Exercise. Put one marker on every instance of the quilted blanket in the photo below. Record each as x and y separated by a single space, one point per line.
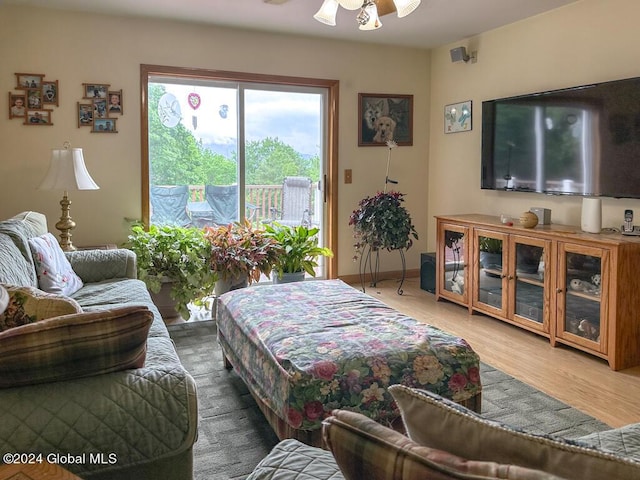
130 417
309 347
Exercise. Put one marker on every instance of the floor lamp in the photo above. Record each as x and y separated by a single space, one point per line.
67 171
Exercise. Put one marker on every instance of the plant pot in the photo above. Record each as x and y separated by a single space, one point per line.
166 305
226 285
288 277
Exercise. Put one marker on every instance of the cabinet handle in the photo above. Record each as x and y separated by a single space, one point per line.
510 277
559 290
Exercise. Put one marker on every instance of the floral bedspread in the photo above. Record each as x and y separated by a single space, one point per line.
309 347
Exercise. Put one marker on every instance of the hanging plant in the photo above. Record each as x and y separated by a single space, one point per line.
382 222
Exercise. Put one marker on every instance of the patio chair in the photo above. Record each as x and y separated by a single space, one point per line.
223 203
169 205
296 202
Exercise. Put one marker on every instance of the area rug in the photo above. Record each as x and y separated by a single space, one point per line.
233 435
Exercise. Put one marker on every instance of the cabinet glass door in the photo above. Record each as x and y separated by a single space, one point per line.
454 260
582 309
490 277
529 287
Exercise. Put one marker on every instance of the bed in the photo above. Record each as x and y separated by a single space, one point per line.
306 348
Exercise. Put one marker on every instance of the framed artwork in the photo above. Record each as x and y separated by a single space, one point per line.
384 117
457 117
95 90
34 98
85 114
28 80
99 108
17 105
38 117
50 92
104 125
115 103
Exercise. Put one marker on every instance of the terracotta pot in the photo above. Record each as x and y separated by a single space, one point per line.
166 305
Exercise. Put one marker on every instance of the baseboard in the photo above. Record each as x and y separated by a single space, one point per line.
392 275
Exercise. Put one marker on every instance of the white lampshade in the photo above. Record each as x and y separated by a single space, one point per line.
374 20
405 7
67 171
327 12
350 4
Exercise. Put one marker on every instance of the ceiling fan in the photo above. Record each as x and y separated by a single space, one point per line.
384 6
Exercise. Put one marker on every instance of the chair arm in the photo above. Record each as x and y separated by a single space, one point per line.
97 265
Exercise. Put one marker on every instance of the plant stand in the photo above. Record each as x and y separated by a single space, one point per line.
373 265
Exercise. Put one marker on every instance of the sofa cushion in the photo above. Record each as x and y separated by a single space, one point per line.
436 422
622 441
55 274
293 460
28 305
76 345
15 269
365 449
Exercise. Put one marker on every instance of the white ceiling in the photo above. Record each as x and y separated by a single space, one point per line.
434 23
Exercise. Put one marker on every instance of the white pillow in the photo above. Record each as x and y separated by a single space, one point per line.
55 274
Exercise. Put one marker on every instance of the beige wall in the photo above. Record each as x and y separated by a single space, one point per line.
77 48
589 41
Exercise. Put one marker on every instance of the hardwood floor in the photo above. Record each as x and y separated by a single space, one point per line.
573 377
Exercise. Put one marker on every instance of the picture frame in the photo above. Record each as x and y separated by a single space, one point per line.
104 125
28 80
457 117
114 103
38 117
95 90
383 117
85 114
50 92
20 110
33 98
99 108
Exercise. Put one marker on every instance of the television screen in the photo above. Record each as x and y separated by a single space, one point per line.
578 141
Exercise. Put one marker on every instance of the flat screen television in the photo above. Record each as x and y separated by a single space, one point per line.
576 141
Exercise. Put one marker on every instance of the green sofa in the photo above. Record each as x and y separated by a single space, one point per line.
129 424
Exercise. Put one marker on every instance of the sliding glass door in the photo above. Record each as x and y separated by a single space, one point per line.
221 150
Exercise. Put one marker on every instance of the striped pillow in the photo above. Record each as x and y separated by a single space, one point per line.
364 449
76 345
28 305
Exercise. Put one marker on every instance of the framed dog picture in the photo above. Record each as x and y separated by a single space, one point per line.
385 117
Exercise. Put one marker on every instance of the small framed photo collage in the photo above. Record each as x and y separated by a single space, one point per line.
34 100
100 108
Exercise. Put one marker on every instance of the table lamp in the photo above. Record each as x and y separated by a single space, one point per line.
67 171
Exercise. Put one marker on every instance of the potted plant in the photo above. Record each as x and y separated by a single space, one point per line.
300 251
173 260
240 253
382 222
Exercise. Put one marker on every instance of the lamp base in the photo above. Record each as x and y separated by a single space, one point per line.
65 225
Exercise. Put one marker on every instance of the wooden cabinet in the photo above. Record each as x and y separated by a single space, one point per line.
577 289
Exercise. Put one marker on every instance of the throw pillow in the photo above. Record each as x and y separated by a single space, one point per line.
55 274
28 305
363 449
72 346
436 422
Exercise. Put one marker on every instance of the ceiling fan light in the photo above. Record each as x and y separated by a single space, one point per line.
327 12
373 22
405 7
350 4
